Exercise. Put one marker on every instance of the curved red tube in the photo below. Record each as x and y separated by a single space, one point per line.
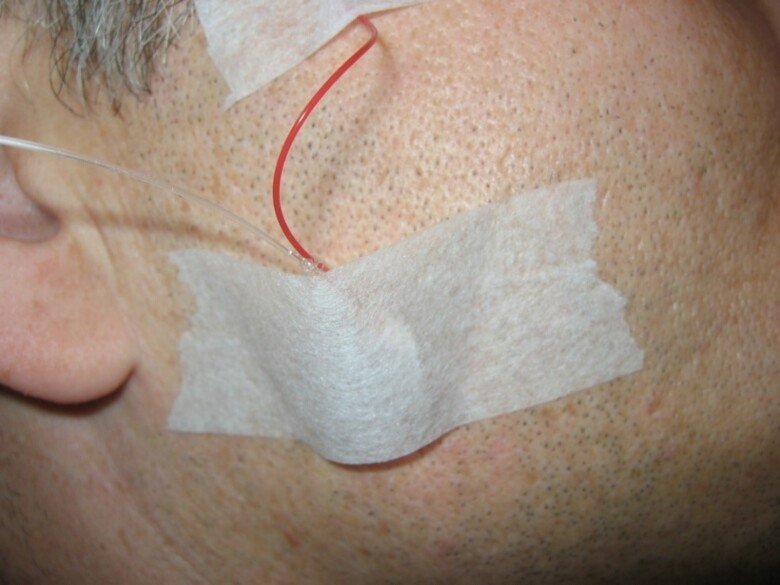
280 162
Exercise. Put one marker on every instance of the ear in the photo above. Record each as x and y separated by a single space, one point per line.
63 335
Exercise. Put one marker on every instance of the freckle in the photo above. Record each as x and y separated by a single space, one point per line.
123 538
292 539
531 477
445 547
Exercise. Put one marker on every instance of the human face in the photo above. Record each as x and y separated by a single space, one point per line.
672 107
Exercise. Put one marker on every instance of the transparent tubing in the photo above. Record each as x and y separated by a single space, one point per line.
185 194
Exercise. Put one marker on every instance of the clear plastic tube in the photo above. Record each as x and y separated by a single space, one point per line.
31 146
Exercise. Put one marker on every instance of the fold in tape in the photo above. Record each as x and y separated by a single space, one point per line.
253 42
494 310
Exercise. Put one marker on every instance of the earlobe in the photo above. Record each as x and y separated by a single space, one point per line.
63 335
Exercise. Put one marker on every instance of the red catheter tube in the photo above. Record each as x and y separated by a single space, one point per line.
288 143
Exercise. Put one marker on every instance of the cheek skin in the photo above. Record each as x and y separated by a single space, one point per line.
504 97
409 139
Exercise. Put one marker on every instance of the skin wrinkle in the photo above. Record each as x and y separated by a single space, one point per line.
663 476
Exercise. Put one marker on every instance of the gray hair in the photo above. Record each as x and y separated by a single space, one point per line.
108 44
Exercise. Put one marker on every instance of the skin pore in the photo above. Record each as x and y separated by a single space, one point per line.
668 474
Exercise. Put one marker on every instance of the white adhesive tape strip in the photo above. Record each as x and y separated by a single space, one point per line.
494 310
253 42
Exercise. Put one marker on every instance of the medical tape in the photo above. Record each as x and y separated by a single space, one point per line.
496 309
252 42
